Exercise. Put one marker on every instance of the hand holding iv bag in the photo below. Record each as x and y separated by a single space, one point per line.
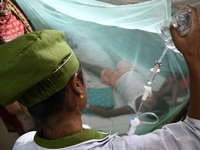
181 21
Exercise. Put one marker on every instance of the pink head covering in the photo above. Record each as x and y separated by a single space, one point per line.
11 24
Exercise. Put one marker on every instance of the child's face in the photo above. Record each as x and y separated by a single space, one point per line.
149 104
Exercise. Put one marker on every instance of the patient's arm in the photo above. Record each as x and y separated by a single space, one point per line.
173 89
174 94
110 112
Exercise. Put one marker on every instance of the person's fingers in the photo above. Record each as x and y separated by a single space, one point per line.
194 17
174 33
193 9
179 6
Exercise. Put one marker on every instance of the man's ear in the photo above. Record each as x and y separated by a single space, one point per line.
76 83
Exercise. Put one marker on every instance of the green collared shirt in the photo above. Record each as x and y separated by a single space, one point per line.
86 136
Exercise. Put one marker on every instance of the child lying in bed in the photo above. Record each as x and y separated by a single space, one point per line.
130 84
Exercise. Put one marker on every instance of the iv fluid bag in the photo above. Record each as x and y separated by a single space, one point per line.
181 21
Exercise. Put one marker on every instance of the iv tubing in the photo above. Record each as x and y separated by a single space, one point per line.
149 113
163 54
155 70
144 97
158 64
139 109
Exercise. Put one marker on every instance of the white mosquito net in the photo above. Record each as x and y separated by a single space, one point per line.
117 45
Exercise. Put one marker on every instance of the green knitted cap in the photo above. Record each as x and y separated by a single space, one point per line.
35 66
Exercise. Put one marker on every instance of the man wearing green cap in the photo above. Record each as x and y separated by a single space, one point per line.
42 72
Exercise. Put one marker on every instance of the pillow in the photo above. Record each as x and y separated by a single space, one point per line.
100 97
